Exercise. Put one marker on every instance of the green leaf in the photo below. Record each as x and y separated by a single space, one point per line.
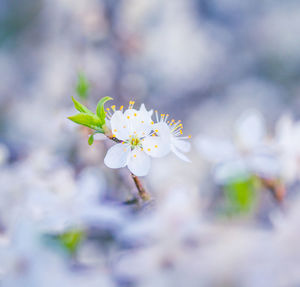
71 239
241 195
83 86
81 108
100 108
91 139
87 120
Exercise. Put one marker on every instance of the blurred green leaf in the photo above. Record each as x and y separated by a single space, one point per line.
91 121
68 241
240 195
80 107
71 239
100 108
83 86
91 139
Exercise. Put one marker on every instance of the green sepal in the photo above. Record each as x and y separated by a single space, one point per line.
88 120
91 139
80 107
100 109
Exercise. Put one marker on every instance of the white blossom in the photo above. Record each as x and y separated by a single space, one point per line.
138 143
248 152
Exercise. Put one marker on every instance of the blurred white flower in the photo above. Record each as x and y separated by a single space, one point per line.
133 129
287 143
247 153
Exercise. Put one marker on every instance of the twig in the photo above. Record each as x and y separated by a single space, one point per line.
142 192
276 187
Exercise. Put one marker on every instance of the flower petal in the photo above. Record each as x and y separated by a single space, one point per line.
143 110
139 163
138 122
250 129
163 130
182 145
156 146
119 126
117 156
180 154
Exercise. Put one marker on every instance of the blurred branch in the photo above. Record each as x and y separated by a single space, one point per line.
142 192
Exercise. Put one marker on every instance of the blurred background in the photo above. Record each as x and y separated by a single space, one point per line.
68 220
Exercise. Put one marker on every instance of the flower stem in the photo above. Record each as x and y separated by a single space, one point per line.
142 191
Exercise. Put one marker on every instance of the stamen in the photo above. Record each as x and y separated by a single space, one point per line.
108 113
131 104
156 115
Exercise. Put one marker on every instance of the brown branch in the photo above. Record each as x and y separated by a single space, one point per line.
276 187
142 192
114 139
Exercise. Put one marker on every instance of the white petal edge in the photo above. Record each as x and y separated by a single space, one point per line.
143 109
119 126
163 130
182 145
117 156
139 163
180 154
156 146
